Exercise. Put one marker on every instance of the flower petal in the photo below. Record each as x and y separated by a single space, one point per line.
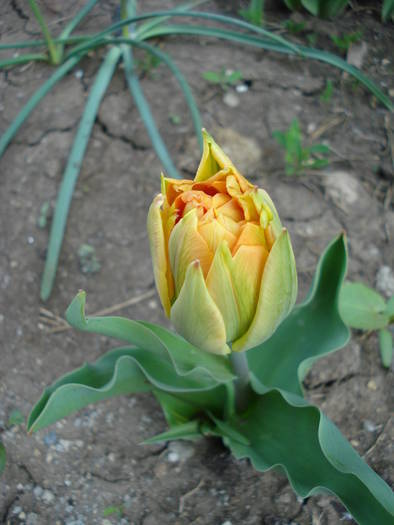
277 296
186 245
220 287
213 159
214 233
196 316
161 270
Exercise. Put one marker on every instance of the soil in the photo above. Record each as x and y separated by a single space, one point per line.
90 468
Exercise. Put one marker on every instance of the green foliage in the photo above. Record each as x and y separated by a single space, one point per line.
298 157
346 40
196 391
294 27
387 10
88 260
322 8
224 78
113 510
44 214
363 308
254 13
327 92
313 329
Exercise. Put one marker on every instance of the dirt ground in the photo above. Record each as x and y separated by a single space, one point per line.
91 469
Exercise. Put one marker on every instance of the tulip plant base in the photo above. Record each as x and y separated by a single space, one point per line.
278 428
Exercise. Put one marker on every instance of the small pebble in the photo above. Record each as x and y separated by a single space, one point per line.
241 88
231 100
30 239
48 496
372 385
370 426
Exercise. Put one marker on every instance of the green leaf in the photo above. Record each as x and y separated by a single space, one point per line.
283 430
389 310
123 371
54 51
146 114
2 458
312 330
387 9
73 168
361 307
189 431
15 418
212 76
185 358
386 347
117 372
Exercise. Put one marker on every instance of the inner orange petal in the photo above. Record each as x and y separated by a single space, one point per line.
231 209
213 233
251 235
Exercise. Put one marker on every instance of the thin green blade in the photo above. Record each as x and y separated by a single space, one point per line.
146 114
73 168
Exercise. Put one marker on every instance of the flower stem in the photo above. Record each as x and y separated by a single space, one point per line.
239 363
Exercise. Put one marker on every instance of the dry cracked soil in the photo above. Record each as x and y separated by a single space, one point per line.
90 468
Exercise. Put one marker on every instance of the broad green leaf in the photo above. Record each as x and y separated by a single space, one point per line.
2 458
284 431
361 307
186 359
190 431
123 371
386 347
389 310
312 330
387 9
212 76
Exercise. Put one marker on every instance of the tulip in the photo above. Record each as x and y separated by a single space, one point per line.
224 267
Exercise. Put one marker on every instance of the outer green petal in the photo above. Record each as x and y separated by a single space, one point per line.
213 159
187 245
278 293
261 200
158 251
220 287
196 316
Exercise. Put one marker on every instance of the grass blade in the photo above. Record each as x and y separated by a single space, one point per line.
146 113
73 168
23 59
8 135
78 19
306 52
39 43
183 84
52 48
148 26
207 16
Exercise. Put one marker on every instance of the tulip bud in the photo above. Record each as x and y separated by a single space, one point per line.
224 266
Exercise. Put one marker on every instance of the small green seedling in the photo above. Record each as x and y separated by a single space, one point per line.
326 94
44 215
254 14
224 78
365 309
113 510
299 158
88 260
346 40
175 119
294 27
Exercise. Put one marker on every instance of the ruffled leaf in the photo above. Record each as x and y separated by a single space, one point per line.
186 358
312 330
283 430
